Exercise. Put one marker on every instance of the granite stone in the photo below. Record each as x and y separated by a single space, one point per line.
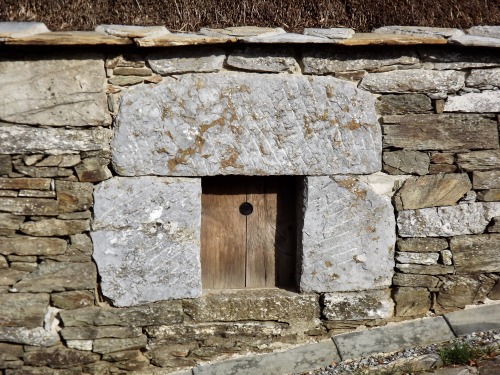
348 236
146 238
250 124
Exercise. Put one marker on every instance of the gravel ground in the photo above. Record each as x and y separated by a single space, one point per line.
411 360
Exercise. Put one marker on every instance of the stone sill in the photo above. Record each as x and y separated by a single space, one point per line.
32 33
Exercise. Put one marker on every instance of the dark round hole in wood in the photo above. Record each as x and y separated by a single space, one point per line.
246 208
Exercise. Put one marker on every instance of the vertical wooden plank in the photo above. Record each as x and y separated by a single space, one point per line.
223 233
286 233
261 230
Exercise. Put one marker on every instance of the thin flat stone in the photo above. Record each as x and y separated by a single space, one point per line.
444 59
156 239
179 126
486 179
242 31
333 33
393 337
21 29
486 101
179 39
25 139
346 249
374 39
471 218
187 61
68 38
29 336
488 31
298 360
476 254
262 60
128 31
429 32
475 41
476 319
288 38
479 160
25 245
417 258
414 80
23 309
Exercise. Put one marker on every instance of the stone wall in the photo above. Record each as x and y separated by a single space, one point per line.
90 139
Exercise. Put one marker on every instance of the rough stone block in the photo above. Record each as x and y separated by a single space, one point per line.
403 104
486 101
91 333
440 132
72 300
54 91
256 304
417 258
59 277
5 164
442 168
29 336
418 81
471 218
364 305
9 277
412 301
262 60
348 236
483 78
486 179
110 345
59 357
431 245
29 206
23 309
476 254
444 59
458 291
432 191
298 360
145 315
393 337
492 195
73 196
9 224
479 160
19 139
187 61
55 227
251 124
323 61
25 183
93 170
148 249
477 319
407 279
404 161
424 269
24 245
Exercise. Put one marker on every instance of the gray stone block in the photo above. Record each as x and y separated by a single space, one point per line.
54 91
250 124
187 60
476 319
26 140
370 304
304 358
489 31
475 41
146 238
486 101
449 221
408 81
483 78
393 337
428 32
348 236
262 60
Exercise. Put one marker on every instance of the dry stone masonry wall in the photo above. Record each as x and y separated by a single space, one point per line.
103 152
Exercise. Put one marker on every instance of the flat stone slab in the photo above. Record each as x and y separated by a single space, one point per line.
486 101
187 60
472 218
298 360
393 337
333 33
242 31
21 29
181 39
475 41
19 139
128 31
475 319
56 92
146 239
251 124
68 38
488 31
348 236
429 32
